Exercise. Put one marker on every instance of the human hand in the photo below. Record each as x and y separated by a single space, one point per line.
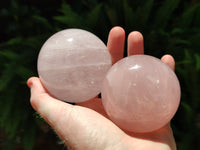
86 126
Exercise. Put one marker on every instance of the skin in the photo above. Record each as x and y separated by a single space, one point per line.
86 125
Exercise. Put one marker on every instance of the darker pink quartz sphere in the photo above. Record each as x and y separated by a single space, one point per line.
140 93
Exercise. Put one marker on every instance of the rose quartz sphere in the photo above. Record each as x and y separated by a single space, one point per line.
72 65
140 93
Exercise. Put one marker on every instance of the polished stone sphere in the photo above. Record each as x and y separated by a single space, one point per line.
72 65
140 93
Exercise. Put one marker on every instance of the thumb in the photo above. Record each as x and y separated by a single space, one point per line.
79 127
52 110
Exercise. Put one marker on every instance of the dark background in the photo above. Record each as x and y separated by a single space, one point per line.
169 27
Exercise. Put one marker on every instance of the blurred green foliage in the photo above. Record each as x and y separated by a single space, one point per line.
168 26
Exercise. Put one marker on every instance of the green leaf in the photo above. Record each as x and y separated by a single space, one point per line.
14 41
188 16
42 21
9 54
9 144
29 138
181 41
177 31
112 15
188 110
164 13
13 122
197 18
7 101
143 12
187 55
147 9
23 72
94 16
7 75
129 16
197 59
69 17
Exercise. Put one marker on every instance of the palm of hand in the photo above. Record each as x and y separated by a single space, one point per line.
86 125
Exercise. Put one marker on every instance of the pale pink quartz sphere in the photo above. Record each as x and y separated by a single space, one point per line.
140 93
72 65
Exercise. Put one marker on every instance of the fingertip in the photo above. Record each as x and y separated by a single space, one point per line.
115 43
116 36
31 80
37 91
117 32
135 36
169 60
135 43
